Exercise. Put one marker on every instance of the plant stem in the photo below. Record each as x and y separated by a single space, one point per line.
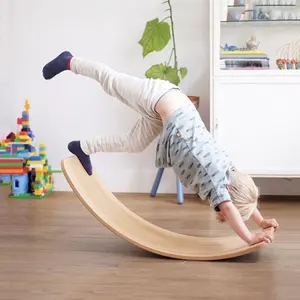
166 18
173 35
170 56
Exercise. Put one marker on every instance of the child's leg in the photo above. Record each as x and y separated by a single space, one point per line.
141 94
136 140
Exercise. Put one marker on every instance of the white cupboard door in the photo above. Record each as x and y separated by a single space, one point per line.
258 124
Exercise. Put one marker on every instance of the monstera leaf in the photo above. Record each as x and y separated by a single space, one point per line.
156 36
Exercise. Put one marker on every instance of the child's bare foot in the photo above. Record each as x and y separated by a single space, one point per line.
57 65
85 160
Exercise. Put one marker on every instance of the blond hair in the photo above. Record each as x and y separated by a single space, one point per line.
244 193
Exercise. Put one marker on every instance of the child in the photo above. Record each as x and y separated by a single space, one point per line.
184 143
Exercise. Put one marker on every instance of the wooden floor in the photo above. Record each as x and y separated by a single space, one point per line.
54 249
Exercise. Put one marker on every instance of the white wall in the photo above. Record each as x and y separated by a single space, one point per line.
5 76
107 31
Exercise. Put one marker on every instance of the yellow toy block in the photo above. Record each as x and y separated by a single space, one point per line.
24 138
27 105
34 162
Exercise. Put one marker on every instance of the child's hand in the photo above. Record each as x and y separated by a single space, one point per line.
220 217
266 223
265 236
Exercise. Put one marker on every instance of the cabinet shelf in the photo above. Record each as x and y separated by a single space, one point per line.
263 5
259 73
282 21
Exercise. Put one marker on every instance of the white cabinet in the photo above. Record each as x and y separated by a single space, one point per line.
255 114
258 124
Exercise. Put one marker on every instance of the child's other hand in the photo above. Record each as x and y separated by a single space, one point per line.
265 236
220 217
266 223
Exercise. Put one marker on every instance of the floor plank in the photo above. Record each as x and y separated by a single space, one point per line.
54 249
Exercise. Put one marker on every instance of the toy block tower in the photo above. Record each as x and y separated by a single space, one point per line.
41 179
27 172
25 134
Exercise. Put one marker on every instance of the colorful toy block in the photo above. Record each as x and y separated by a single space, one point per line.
5 179
21 166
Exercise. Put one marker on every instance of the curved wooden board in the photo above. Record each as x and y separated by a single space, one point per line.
115 216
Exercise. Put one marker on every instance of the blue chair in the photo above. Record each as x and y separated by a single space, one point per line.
179 187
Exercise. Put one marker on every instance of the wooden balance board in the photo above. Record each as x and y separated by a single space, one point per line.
115 216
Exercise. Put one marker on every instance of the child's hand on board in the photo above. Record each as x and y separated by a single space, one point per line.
266 223
220 217
266 236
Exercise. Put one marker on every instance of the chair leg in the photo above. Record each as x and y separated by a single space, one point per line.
180 197
157 182
179 187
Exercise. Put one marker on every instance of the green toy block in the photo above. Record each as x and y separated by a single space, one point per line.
12 164
55 171
37 185
30 196
8 155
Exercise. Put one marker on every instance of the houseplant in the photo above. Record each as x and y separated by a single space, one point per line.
156 37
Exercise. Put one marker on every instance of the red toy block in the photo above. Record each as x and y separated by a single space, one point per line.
6 160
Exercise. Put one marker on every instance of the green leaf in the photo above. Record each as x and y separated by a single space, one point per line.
156 72
183 72
156 36
171 74
160 71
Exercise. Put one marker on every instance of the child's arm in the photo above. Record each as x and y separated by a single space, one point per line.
236 222
264 223
257 217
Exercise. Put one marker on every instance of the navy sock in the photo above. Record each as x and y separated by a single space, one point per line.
75 148
57 65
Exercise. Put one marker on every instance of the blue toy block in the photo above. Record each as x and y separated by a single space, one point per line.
4 178
20 184
35 158
23 154
179 187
